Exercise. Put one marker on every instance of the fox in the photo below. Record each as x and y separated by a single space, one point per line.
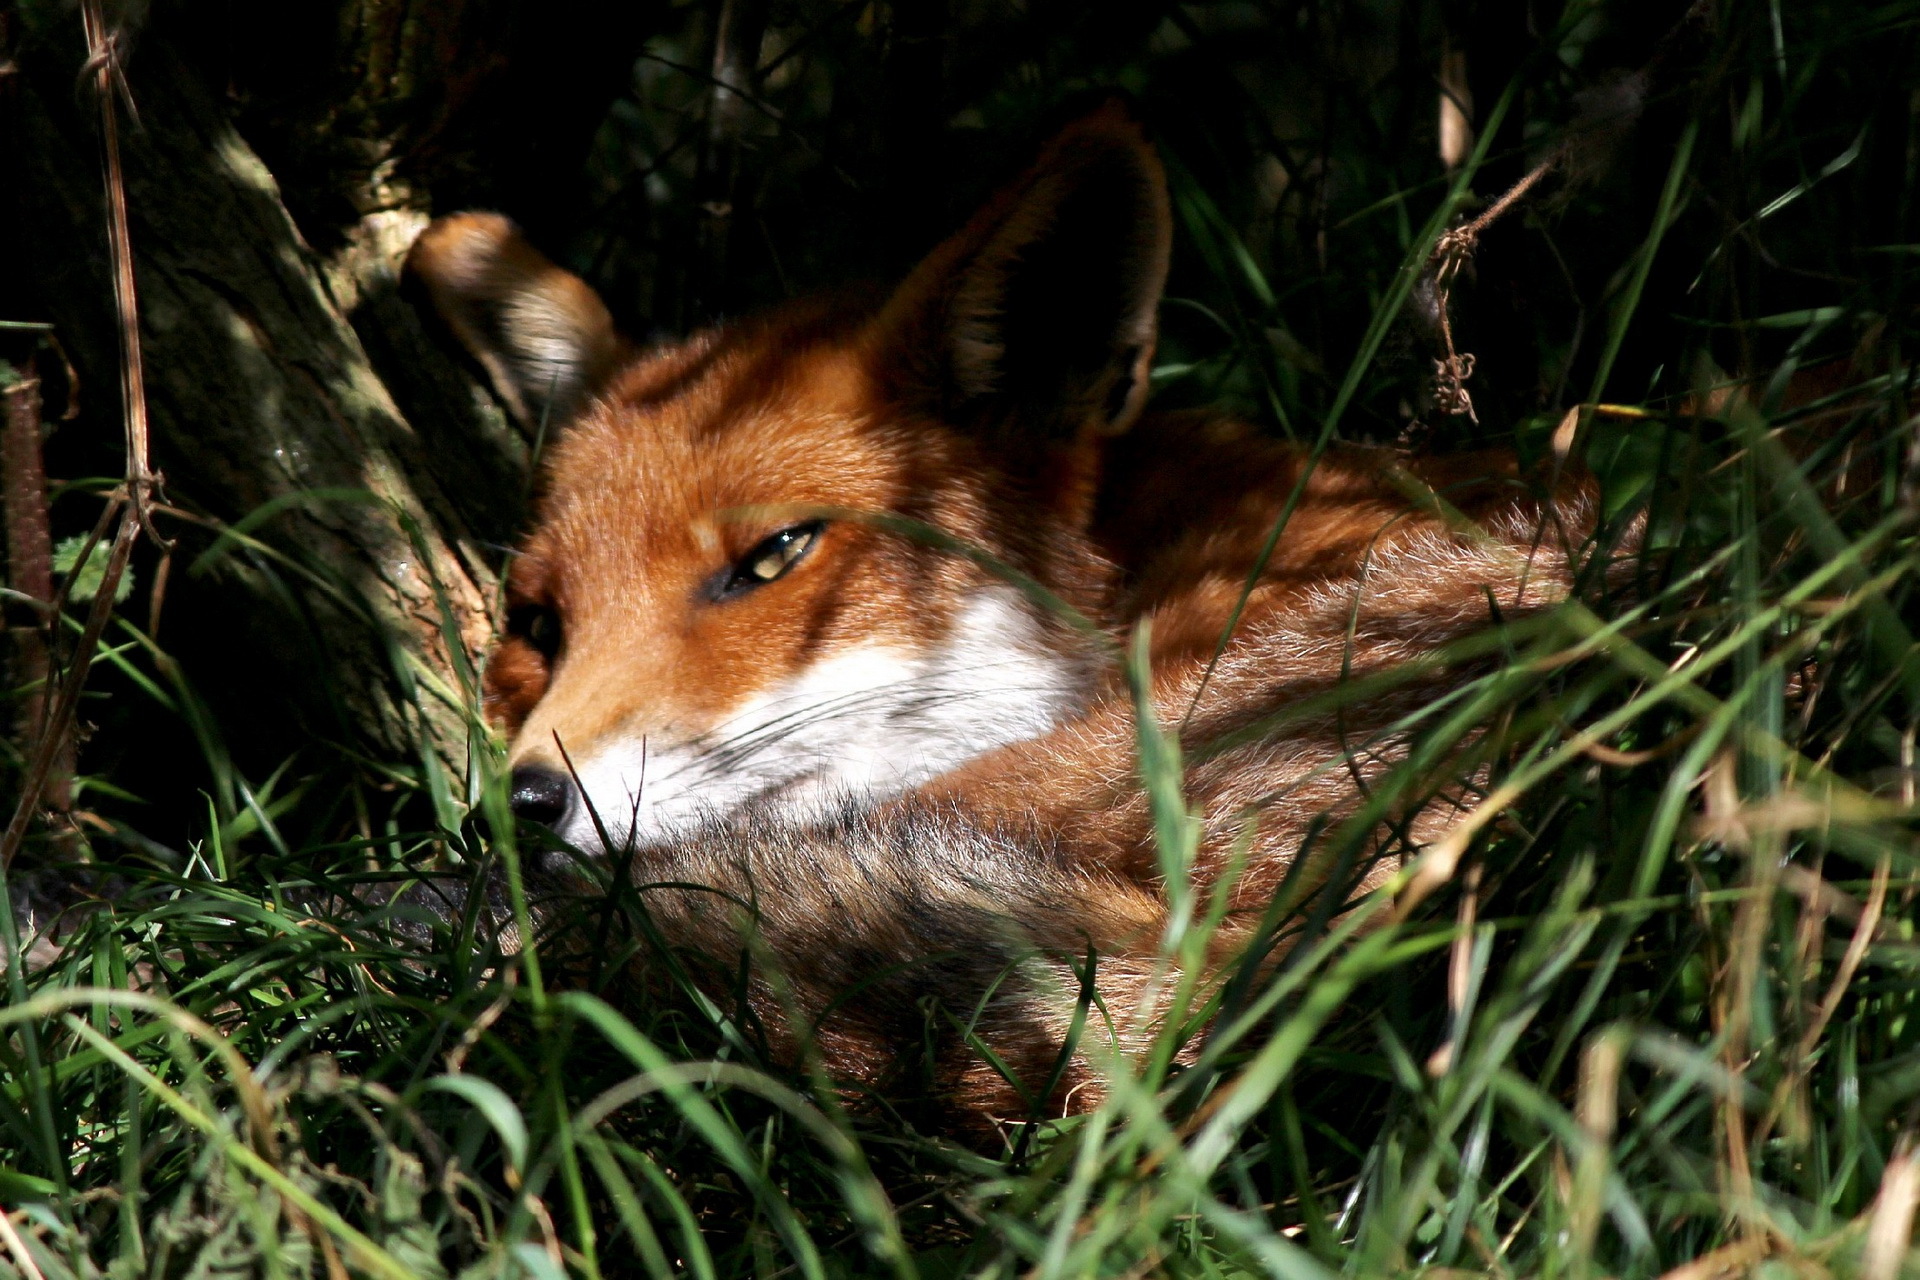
849 612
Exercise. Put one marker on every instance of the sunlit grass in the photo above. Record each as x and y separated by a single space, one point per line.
1651 1009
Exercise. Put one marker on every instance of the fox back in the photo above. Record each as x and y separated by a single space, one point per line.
877 555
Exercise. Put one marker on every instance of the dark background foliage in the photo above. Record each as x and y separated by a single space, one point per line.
1301 138
1732 196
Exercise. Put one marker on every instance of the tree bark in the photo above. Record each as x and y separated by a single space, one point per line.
291 386
29 550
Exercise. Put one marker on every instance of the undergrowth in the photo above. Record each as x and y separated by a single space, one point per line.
1649 1006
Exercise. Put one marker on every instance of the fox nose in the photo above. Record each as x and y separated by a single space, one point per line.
539 795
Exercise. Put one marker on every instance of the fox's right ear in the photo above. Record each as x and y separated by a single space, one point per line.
541 333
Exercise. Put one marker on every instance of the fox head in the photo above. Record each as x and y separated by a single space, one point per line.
741 589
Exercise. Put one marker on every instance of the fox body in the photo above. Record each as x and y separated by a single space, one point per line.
823 608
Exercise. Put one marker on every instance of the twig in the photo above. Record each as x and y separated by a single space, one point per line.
18 1248
131 504
103 61
1451 253
1465 237
66 700
1864 932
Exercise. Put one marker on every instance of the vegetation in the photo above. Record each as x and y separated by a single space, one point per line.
1650 1007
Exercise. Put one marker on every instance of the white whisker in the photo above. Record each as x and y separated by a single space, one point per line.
874 720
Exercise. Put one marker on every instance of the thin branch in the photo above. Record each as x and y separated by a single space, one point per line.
103 61
131 504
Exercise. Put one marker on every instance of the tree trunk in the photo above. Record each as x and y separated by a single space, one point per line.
291 387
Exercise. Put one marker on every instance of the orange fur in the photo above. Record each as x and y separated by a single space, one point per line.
915 789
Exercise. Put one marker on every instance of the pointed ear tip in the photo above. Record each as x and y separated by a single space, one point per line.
1115 122
1110 139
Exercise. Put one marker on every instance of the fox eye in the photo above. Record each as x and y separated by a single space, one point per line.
770 558
538 625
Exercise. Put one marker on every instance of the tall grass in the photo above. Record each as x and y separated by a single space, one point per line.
1648 1009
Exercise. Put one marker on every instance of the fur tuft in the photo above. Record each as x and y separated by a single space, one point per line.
543 336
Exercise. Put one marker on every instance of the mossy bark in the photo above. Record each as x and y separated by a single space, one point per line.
294 393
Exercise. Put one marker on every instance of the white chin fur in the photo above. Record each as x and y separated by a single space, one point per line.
869 721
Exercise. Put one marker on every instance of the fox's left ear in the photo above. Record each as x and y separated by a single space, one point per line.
541 333
1040 314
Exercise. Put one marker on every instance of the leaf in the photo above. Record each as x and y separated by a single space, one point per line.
491 1102
83 580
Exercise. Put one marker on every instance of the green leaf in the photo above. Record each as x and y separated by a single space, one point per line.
83 579
492 1102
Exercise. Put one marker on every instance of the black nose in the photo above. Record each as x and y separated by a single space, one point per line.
539 795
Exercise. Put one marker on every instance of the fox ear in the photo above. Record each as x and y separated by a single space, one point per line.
1041 311
541 333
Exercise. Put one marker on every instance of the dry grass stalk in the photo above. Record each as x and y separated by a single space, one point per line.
17 1249
103 63
1890 1221
1597 1111
131 505
1864 931
1736 1259
1459 970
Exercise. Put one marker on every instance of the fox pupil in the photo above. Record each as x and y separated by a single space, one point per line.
769 559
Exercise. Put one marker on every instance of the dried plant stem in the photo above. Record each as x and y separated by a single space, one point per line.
29 547
1733 1014
131 504
103 63
1890 1220
66 698
1452 370
1864 932
1459 972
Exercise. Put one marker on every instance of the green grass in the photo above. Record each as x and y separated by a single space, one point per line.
1661 1005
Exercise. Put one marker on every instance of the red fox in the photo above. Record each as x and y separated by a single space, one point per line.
821 608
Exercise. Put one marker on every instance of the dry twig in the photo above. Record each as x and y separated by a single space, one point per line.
1451 253
132 503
